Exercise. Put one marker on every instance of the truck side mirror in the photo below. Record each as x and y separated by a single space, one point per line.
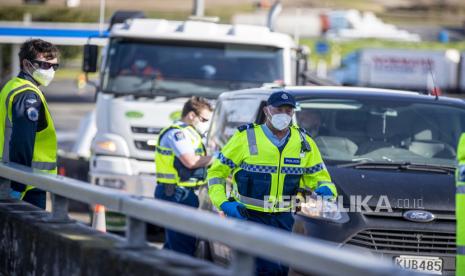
89 62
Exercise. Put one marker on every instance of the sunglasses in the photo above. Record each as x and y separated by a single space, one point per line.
46 65
202 119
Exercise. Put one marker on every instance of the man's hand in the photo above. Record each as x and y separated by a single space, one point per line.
234 209
324 191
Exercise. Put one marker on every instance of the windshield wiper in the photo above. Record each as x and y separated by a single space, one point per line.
367 164
155 92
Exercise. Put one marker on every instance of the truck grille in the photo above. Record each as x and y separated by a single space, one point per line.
392 241
146 130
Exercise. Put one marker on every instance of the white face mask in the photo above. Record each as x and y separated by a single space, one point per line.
42 76
202 127
280 121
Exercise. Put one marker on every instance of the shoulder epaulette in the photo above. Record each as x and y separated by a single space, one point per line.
303 133
244 127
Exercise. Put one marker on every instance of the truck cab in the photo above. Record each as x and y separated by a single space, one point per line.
150 67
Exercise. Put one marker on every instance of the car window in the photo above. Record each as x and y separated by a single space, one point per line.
384 131
229 115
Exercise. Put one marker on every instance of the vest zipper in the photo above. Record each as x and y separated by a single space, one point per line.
277 186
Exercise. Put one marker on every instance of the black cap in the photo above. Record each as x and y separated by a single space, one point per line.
281 98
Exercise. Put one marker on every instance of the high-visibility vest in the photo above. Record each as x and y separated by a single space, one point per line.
45 145
265 177
460 208
169 169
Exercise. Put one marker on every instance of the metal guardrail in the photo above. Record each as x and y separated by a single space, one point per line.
245 239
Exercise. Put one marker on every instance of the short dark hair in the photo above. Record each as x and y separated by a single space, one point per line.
32 48
195 104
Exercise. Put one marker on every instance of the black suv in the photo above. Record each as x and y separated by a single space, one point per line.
392 156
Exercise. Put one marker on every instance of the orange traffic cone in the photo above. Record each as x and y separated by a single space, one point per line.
99 221
81 82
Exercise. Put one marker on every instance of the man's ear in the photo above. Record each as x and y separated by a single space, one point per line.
266 111
191 115
26 65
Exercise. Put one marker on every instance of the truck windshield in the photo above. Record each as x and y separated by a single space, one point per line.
185 69
383 131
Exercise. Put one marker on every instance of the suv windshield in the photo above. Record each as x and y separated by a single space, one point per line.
229 115
177 70
383 131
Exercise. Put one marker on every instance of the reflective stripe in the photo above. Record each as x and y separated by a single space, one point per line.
315 169
460 189
166 175
226 161
261 203
44 165
321 183
461 173
191 183
8 124
6 143
292 170
215 181
259 168
461 250
251 201
164 151
252 141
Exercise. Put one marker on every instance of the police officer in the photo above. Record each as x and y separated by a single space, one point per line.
460 208
269 163
27 132
180 160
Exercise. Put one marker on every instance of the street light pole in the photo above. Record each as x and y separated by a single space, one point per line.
199 8
102 16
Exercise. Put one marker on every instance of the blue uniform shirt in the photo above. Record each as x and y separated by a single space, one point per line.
177 140
273 138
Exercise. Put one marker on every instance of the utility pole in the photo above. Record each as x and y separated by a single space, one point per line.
102 17
199 8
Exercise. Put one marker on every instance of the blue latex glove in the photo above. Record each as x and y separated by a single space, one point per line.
324 191
233 209
14 194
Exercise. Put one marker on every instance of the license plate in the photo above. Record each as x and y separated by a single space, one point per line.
431 265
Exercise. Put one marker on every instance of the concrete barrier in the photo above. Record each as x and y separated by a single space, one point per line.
32 244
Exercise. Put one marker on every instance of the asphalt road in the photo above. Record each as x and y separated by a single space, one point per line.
68 106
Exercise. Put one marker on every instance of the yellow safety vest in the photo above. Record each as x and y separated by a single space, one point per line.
45 145
169 169
460 208
265 178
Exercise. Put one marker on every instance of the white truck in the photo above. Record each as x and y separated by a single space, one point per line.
150 67
420 70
